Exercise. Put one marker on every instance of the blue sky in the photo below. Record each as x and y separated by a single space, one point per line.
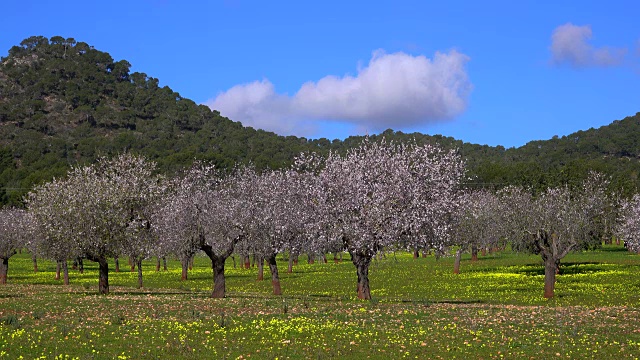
487 72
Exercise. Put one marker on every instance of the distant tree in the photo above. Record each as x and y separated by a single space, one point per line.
628 227
477 224
556 222
16 229
177 222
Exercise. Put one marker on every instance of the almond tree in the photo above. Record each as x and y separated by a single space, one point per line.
379 194
477 224
628 228
176 221
100 205
16 229
282 208
558 221
224 214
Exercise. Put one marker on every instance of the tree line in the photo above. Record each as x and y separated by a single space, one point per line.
377 197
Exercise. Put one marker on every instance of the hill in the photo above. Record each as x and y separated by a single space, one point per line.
63 102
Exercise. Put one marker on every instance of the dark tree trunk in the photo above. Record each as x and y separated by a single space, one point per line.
275 277
362 263
324 258
290 267
164 263
310 259
234 261
416 253
185 268
103 269
4 269
424 253
158 264
550 268
57 270
35 262
456 263
81 265
474 253
217 264
117 263
219 288
484 251
260 269
139 266
247 262
103 273
65 271
191 260
335 258
132 264
295 260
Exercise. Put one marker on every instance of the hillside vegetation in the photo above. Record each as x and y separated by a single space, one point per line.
63 102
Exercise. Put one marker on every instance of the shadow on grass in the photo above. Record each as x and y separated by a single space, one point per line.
566 268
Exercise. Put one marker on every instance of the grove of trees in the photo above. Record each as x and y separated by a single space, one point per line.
378 197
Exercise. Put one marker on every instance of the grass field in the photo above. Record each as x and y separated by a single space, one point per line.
494 309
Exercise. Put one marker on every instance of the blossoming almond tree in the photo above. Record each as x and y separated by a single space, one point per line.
176 221
100 204
477 224
380 193
16 229
556 222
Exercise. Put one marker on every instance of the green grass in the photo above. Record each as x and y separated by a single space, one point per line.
420 309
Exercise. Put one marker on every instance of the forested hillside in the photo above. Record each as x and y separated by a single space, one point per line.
63 102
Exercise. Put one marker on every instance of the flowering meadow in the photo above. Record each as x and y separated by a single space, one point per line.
419 309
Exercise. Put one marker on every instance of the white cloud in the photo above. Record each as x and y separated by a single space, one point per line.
393 90
570 45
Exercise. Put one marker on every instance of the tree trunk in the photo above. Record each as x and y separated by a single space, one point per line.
290 267
132 264
335 258
217 264
164 264
4 269
324 258
185 268
117 262
310 258
81 265
103 271
192 259
550 267
474 253
158 264
219 288
57 270
275 277
424 253
65 271
456 263
35 262
139 266
260 268
416 253
362 263
247 262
